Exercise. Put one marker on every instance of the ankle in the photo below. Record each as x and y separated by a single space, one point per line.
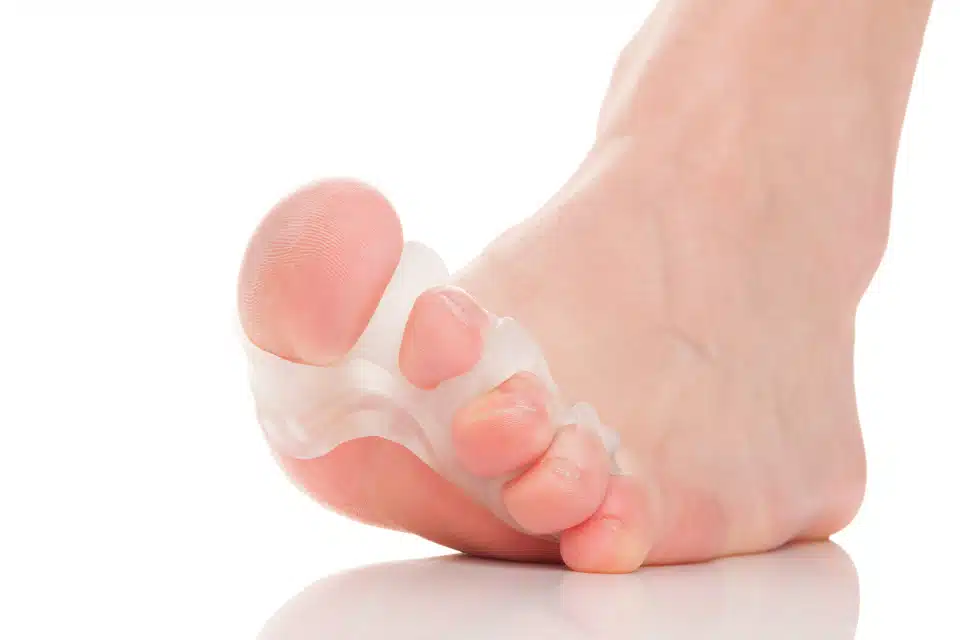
845 64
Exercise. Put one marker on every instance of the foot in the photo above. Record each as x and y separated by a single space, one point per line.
689 283
335 245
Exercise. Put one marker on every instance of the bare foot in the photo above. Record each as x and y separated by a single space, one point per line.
696 280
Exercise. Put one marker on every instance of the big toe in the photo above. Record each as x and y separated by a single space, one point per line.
316 268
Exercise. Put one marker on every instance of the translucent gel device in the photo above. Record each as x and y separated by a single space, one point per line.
306 411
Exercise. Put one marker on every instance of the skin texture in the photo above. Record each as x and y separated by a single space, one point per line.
696 280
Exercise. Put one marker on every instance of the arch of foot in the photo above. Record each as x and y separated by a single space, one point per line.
307 411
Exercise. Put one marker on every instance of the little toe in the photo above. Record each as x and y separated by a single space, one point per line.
505 429
618 537
564 487
443 337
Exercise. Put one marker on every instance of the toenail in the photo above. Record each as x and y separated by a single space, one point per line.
611 523
628 549
516 409
463 307
565 468
500 406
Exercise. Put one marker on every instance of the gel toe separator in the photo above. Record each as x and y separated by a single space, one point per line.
306 411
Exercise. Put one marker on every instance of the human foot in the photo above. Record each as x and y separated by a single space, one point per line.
342 239
696 288
336 233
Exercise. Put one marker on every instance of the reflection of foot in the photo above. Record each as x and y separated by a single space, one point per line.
809 591
690 282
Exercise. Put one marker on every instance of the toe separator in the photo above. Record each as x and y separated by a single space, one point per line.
306 411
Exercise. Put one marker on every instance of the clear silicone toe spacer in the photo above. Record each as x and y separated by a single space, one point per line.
307 411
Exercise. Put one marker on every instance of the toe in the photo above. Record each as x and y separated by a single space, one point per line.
618 537
505 429
443 337
564 487
316 268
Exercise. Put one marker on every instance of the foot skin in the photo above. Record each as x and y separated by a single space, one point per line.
704 304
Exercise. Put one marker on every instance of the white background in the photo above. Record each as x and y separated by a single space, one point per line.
138 152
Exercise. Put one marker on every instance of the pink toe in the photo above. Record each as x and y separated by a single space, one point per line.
315 269
503 430
618 537
443 337
564 487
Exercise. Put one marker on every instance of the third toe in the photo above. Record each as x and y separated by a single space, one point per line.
564 487
505 429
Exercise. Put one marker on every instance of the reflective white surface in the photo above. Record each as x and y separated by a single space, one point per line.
807 591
